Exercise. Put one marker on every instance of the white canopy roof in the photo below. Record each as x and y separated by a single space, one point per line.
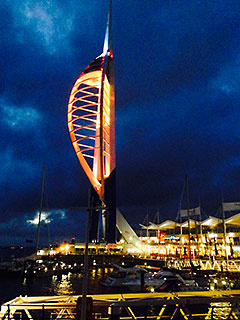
211 222
234 220
168 224
143 226
192 223
153 226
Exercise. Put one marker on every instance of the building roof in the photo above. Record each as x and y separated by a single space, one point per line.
211 222
167 224
234 220
192 223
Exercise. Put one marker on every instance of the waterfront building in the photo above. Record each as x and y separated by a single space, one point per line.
168 239
212 237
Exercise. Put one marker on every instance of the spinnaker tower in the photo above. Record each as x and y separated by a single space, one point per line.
91 124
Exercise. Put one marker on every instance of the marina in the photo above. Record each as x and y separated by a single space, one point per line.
216 290
183 268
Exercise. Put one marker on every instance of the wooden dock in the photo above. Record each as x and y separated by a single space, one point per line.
180 305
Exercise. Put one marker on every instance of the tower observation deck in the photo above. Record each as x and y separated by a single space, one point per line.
91 124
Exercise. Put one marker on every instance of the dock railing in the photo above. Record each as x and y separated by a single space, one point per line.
181 305
217 265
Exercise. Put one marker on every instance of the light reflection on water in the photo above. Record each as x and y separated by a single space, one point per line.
72 284
219 310
63 285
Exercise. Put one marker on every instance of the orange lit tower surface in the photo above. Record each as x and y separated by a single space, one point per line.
91 124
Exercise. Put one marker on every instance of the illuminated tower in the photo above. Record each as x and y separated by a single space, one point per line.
91 124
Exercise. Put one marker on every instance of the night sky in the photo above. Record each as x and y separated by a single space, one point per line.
177 73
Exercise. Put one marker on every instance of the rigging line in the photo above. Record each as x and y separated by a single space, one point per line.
218 211
181 199
205 214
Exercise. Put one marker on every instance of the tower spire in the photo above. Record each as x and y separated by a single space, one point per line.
107 47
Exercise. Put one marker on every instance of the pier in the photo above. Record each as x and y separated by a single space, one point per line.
182 305
102 259
217 265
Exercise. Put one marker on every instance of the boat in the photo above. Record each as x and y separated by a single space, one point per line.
153 281
173 281
121 275
176 285
139 279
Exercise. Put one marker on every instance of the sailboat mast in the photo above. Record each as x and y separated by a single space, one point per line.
199 226
179 216
224 228
41 206
188 216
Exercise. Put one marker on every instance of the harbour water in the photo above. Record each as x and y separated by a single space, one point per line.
9 253
64 284
13 286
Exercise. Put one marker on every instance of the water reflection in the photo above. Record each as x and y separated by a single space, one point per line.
71 283
221 282
24 281
62 285
219 310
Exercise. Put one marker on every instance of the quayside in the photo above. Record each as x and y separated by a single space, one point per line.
181 305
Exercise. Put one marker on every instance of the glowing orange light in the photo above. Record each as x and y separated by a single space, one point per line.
90 121
91 118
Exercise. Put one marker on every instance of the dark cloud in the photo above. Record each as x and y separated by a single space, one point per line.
177 106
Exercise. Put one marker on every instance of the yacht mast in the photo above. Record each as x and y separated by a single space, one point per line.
41 206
